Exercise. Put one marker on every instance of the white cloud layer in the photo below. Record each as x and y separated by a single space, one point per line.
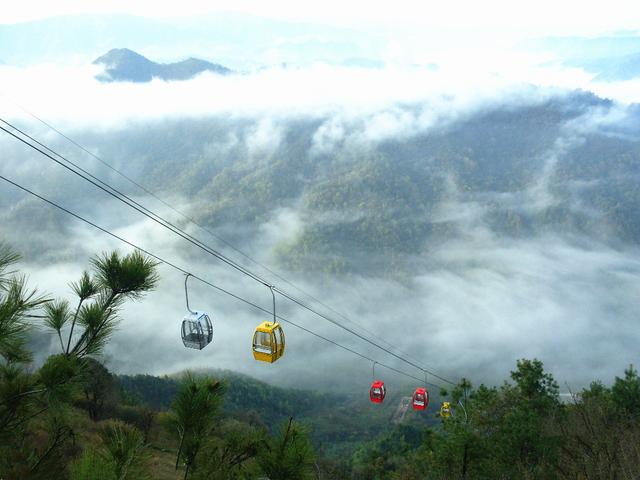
72 97
484 302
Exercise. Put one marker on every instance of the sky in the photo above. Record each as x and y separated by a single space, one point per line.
565 17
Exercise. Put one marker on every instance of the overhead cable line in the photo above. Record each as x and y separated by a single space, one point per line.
208 283
207 230
87 176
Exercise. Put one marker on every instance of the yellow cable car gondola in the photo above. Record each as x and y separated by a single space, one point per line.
445 410
268 339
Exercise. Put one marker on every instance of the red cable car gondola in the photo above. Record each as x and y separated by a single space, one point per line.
377 391
420 399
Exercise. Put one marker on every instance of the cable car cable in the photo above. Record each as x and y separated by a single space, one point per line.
192 220
126 200
149 214
161 221
217 237
206 282
300 303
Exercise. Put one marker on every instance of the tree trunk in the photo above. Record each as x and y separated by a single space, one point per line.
465 460
179 450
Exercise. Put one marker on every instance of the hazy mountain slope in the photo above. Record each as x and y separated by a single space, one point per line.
122 64
556 166
624 68
612 68
529 169
521 211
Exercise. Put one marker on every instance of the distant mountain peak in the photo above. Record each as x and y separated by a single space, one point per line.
119 54
124 65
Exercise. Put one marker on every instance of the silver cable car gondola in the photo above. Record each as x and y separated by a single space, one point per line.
197 329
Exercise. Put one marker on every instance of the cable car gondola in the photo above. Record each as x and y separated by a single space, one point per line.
420 399
378 391
445 410
197 329
268 339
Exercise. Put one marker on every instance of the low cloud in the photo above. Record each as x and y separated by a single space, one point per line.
72 96
475 302
481 302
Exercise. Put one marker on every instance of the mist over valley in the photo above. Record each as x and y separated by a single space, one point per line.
494 228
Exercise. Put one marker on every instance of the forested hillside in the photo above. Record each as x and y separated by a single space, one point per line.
566 165
71 418
478 231
337 423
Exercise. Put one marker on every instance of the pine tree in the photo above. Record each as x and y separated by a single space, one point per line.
26 397
194 413
288 456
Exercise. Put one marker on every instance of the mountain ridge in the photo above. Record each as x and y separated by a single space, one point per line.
125 65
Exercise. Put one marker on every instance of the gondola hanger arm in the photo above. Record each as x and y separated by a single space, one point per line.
271 287
186 292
